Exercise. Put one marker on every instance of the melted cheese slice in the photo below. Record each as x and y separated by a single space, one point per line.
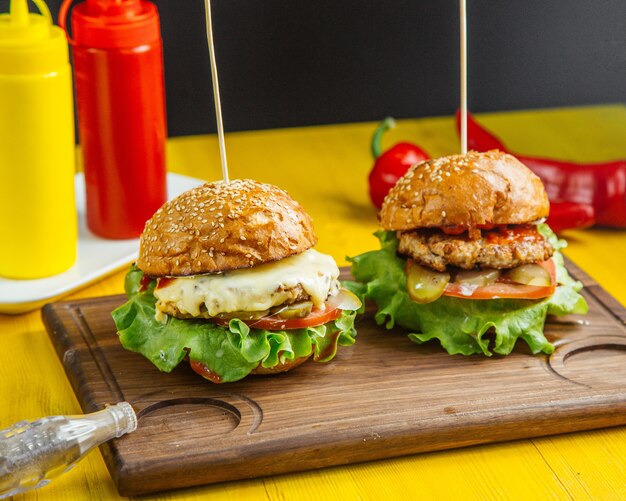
253 289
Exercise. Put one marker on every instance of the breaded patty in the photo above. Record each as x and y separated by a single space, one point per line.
291 295
435 249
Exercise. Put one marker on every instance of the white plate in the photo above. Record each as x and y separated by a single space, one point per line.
97 258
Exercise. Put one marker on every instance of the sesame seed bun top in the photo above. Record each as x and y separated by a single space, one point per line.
223 226
477 188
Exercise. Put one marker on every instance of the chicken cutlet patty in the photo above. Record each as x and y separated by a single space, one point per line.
493 249
289 296
251 292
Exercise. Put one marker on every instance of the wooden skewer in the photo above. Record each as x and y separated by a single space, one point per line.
216 91
463 12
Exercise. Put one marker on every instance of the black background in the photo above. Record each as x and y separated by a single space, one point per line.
295 62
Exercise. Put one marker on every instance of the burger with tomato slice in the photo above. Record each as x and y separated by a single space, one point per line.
466 257
228 279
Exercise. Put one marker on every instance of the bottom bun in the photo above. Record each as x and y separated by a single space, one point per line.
284 367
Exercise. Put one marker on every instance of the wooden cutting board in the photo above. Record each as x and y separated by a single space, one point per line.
383 397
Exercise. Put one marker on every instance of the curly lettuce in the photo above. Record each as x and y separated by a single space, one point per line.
229 352
462 326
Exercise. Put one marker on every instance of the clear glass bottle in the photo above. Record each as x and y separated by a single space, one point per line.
32 453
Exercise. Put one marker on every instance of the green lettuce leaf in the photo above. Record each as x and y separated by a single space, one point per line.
462 326
231 352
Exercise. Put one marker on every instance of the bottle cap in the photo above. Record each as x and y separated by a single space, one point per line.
109 24
124 417
30 43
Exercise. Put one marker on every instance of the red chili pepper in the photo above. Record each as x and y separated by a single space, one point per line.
599 185
568 215
392 164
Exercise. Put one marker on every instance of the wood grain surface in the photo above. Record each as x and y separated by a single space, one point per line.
383 397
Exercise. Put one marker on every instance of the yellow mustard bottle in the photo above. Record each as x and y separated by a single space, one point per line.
38 225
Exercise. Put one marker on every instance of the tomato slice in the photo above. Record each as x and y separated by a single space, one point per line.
313 319
205 372
505 290
275 323
334 306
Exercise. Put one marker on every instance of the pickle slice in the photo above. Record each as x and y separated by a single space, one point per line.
531 274
243 315
425 285
480 278
344 300
297 310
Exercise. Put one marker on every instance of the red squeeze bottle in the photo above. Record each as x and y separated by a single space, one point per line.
118 71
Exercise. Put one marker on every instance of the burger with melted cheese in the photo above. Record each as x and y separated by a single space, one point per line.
466 257
227 278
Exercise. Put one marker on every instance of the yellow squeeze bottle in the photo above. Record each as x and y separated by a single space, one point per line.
38 226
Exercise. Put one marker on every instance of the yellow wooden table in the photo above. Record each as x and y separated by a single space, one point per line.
325 168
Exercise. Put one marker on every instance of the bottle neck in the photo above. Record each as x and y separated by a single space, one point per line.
19 27
93 429
113 8
135 23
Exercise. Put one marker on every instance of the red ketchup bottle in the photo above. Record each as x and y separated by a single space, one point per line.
118 71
